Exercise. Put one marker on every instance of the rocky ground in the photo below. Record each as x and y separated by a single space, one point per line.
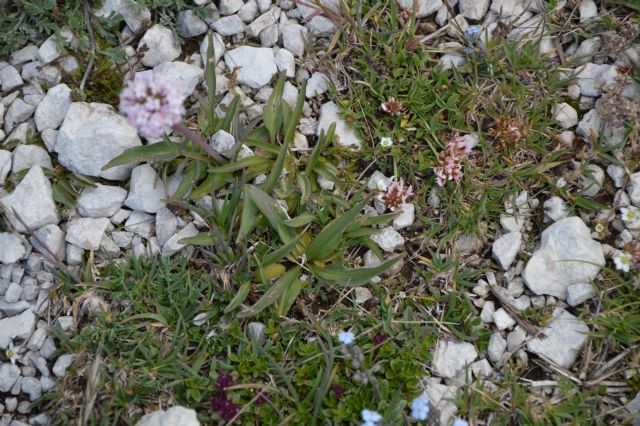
555 257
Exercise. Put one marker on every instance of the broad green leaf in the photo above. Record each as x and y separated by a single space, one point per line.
164 150
329 238
301 220
271 211
323 141
202 239
252 161
294 118
272 295
279 254
230 114
352 277
240 296
211 183
305 187
148 316
272 115
368 220
586 203
248 217
190 176
289 297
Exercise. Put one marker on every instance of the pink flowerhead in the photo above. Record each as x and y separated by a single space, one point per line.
396 195
449 165
152 104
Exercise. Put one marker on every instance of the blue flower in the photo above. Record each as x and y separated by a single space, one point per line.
420 407
371 418
473 31
460 422
346 337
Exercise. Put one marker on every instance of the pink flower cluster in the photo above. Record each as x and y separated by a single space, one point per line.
152 104
450 160
395 195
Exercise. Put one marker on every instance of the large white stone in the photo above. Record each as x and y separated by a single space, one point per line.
134 13
257 65
86 232
218 48
591 77
189 24
451 358
161 45
329 114
565 336
147 192
633 189
18 112
423 7
32 200
17 327
174 416
173 245
91 135
50 241
506 248
229 25
388 239
12 247
294 39
101 201
565 115
9 374
474 9
567 255
185 76
5 165
53 107
27 156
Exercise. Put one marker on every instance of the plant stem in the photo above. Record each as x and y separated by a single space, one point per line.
179 128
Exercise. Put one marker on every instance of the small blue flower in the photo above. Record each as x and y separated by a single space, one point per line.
473 31
371 418
460 422
420 407
346 337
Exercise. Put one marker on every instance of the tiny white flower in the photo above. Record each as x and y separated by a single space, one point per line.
12 353
386 142
371 418
622 260
346 337
381 186
600 228
630 216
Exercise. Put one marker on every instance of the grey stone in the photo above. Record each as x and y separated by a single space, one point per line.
633 189
48 348
140 223
161 45
86 232
174 416
269 36
256 331
516 338
13 293
615 172
422 7
555 209
218 48
406 217
503 320
362 294
592 180
62 364
75 255
441 397
5 165
10 78
579 293
317 85
91 136
223 142
329 114
263 21
9 374
508 7
185 76
32 387
26 54
101 201
505 249
388 239
51 111
50 241
229 7
47 383
17 327
249 11
481 369
286 62
13 248
567 255
135 13
587 49
451 358
37 339
257 65
166 225
32 199
229 25
588 10
27 156
49 137
294 39
18 112
146 191
122 238
189 24
565 115
497 347
474 9
49 51
591 77
565 336
173 246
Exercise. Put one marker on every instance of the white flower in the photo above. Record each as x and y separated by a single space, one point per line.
561 183
420 407
381 186
622 260
386 142
12 353
600 228
371 418
346 337
630 216
460 422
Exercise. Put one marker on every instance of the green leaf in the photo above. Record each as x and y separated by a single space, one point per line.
300 220
230 114
586 203
202 239
240 296
329 238
352 277
269 208
323 140
272 115
211 82
292 124
280 253
253 161
289 297
248 217
272 295
164 150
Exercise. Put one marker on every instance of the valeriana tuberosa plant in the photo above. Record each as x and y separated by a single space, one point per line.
450 160
154 106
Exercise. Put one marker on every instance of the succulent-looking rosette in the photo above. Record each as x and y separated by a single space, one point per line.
152 104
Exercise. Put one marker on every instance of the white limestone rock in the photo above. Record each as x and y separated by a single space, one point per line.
101 201
12 248
565 336
161 45
27 156
184 76
174 416
346 136
86 232
565 115
505 249
423 7
388 239
52 109
257 65
294 39
147 192
451 358
17 327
